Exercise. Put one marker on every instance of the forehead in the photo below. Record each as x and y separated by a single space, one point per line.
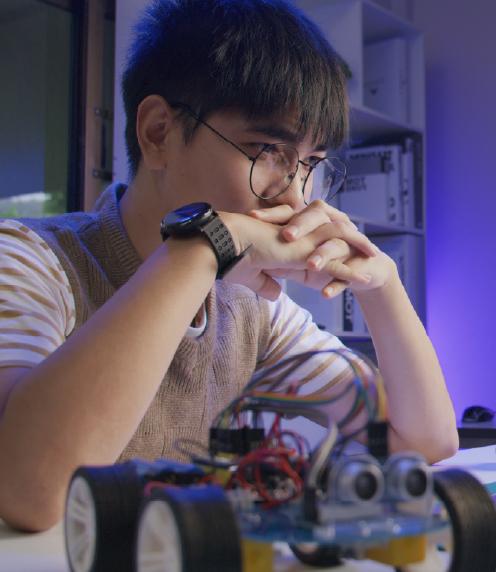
285 127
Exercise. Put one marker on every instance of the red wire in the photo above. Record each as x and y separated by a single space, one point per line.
152 485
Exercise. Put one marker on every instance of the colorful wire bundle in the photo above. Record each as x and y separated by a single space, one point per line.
367 382
279 469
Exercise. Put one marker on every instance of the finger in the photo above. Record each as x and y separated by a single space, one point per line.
281 272
309 278
332 249
341 271
265 286
280 214
353 237
334 288
334 214
305 222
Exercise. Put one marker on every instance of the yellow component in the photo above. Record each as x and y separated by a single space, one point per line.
221 476
400 551
257 556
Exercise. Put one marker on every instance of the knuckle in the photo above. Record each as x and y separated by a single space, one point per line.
336 214
342 217
318 204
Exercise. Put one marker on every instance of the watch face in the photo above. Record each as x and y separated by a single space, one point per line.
186 220
188 213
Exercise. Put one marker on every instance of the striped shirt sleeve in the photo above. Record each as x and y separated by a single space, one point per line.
293 333
37 308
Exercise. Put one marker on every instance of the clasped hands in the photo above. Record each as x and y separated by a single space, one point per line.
318 246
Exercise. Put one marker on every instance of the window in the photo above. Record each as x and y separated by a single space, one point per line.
47 65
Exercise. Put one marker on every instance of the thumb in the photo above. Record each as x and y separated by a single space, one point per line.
281 214
265 286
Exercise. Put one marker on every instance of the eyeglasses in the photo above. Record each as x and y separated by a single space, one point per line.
276 165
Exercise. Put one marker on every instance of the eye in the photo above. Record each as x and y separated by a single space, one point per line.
257 147
310 163
313 161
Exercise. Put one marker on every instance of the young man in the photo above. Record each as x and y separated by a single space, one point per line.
115 342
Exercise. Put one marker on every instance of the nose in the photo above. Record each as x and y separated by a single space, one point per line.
293 195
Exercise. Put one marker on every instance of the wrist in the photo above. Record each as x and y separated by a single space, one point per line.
389 284
199 219
232 222
194 249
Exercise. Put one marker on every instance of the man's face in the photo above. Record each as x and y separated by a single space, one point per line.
210 169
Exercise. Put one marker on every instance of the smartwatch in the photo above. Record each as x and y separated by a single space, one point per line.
200 219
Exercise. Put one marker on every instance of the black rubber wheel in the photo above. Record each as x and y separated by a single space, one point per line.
190 529
318 554
100 518
472 517
473 520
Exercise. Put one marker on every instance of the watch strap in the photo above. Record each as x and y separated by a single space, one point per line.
225 250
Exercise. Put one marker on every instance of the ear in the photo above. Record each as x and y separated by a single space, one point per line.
154 122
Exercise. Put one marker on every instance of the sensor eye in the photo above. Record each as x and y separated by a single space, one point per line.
407 478
357 480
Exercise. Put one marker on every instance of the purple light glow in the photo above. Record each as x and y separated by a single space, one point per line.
461 195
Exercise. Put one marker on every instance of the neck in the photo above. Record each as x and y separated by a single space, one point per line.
142 208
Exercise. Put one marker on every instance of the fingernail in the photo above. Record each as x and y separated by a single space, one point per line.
292 231
328 290
258 213
316 261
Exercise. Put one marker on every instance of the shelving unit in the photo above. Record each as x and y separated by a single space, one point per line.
350 25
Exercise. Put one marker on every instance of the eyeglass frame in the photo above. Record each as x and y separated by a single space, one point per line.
254 159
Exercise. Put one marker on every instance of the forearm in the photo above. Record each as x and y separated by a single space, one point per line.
420 409
84 402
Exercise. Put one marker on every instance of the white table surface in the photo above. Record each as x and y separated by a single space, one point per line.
44 552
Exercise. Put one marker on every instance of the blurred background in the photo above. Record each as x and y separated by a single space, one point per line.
422 83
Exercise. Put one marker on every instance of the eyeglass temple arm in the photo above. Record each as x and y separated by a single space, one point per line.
195 116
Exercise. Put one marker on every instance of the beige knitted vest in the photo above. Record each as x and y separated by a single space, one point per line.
206 372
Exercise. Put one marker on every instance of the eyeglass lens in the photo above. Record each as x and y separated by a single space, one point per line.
328 178
273 170
276 167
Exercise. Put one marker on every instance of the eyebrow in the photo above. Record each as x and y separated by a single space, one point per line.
281 134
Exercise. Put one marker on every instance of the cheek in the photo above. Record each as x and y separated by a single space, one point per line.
226 184
207 173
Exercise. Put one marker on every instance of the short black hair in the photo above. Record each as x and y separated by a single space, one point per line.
259 57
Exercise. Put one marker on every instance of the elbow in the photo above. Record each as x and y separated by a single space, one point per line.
447 442
433 449
24 518
444 447
29 522
28 508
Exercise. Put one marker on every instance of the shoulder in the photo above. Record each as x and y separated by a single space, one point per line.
26 254
20 241
37 301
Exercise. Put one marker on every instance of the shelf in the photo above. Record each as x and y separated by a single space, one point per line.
366 123
351 26
381 24
374 227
